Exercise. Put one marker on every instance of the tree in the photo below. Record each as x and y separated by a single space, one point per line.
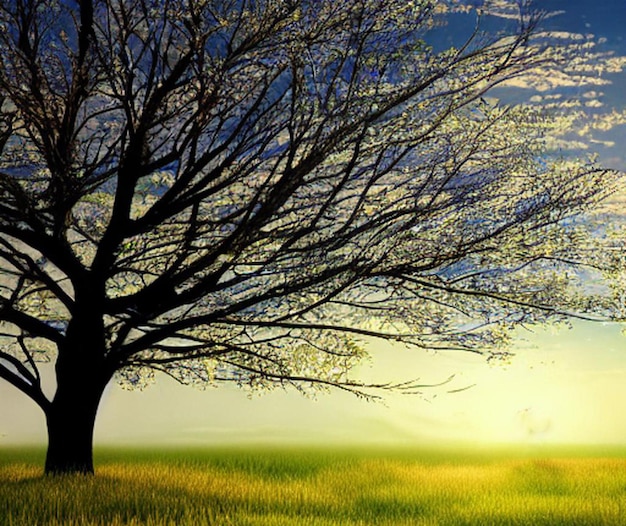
244 191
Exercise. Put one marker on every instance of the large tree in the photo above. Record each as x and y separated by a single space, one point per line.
246 190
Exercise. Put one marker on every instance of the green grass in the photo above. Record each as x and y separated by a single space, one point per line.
323 487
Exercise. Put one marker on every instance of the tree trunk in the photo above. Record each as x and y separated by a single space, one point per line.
71 419
81 375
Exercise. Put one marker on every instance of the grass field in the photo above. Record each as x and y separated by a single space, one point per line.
323 487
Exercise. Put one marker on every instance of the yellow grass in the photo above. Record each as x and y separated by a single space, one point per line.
304 487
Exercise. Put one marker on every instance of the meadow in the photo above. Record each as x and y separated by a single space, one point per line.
257 486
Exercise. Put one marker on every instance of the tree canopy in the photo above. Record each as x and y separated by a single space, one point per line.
246 191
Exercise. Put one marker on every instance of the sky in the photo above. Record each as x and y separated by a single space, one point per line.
563 386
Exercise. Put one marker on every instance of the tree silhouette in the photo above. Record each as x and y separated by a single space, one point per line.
246 191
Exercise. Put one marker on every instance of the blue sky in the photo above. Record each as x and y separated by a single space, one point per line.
564 386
